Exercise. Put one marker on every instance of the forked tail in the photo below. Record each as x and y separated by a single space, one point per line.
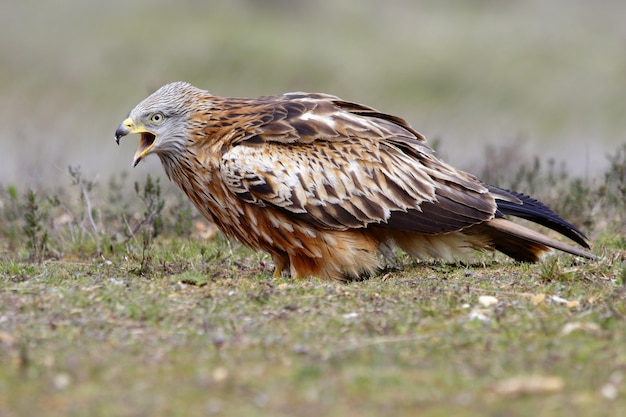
522 243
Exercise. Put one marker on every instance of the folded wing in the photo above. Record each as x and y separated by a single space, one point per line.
340 165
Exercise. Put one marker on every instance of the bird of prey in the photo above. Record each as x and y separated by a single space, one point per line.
326 186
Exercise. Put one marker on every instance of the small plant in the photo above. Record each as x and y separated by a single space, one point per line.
183 219
146 242
11 213
151 197
12 197
616 175
151 224
152 219
85 188
33 228
551 270
614 188
577 204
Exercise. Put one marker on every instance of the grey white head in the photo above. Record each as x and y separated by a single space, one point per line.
162 120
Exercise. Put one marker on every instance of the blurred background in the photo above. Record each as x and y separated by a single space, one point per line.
541 77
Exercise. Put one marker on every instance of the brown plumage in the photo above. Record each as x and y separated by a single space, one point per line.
324 185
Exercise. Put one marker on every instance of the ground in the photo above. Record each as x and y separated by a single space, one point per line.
202 329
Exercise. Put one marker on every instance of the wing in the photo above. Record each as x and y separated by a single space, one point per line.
340 165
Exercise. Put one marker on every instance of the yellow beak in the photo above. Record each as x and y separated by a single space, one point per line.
146 142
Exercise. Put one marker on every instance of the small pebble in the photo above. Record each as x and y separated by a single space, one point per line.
487 300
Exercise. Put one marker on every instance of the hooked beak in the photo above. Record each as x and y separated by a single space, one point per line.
146 142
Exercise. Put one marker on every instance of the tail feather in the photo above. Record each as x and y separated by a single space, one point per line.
525 207
524 244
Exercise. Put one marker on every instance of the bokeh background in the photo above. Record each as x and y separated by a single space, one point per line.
544 77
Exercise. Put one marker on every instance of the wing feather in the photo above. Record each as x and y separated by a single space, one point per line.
340 165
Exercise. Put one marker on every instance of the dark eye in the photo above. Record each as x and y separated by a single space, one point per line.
157 118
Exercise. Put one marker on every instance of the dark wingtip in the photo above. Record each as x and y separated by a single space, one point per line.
537 212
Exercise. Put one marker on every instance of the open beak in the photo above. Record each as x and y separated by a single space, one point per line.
146 142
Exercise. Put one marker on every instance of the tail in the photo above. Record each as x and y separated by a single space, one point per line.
522 243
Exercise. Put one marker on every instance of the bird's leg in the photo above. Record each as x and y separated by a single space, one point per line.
281 263
391 261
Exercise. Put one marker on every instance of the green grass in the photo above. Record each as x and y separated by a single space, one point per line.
196 333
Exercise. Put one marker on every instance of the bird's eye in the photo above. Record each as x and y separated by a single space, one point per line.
157 118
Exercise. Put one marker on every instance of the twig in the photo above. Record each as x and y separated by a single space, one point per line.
88 202
78 179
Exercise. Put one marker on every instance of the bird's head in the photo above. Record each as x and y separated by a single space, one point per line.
162 120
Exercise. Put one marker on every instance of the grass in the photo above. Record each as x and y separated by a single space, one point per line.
135 307
95 338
